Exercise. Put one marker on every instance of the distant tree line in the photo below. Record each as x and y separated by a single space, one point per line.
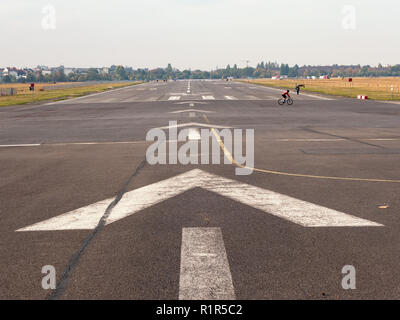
262 70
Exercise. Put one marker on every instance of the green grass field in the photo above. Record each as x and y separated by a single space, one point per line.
58 94
374 88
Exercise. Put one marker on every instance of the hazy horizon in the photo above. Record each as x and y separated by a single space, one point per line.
198 34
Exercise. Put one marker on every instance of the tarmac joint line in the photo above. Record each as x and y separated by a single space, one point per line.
74 260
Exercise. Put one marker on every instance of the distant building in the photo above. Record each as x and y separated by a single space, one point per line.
67 71
12 72
105 70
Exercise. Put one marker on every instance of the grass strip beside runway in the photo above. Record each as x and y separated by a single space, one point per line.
374 88
60 94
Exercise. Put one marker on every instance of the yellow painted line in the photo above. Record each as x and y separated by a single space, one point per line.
230 157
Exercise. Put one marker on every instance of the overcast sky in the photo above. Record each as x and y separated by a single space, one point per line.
198 33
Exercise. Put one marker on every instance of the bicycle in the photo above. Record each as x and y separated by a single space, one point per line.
282 101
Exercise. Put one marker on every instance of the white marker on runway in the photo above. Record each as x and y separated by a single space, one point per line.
204 272
174 98
294 210
230 98
208 98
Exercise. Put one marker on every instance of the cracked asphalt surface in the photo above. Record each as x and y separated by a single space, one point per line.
68 155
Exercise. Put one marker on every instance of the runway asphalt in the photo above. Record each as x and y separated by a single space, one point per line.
324 194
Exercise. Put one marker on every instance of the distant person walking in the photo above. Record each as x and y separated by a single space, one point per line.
298 88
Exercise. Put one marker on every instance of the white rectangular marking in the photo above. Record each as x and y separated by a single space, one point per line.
208 97
192 114
174 98
230 98
205 272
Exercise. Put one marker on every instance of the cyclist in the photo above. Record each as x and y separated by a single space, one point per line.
286 94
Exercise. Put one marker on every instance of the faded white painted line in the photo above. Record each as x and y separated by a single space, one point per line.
314 96
94 143
194 110
208 97
174 98
252 98
20 145
392 102
73 144
93 95
194 134
330 140
192 103
192 114
193 124
230 98
305 140
151 99
294 210
204 271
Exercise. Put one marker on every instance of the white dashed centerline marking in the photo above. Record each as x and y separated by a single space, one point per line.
208 97
204 272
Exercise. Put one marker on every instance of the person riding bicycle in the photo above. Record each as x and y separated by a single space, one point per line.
286 94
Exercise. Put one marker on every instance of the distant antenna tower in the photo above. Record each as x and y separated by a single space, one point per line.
247 63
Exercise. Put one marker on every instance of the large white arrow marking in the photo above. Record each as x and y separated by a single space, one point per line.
297 211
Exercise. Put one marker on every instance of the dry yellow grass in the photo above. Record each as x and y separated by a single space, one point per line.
25 96
23 88
374 88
